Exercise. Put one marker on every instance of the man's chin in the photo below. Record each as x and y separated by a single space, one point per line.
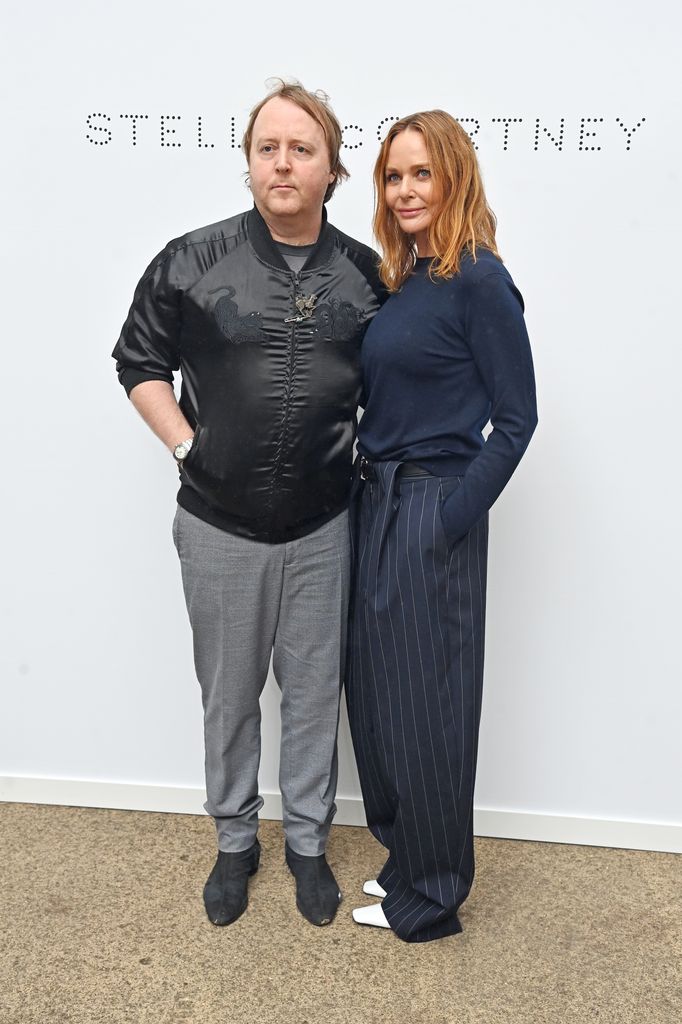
284 204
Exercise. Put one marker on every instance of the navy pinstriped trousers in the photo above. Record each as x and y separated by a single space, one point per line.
414 693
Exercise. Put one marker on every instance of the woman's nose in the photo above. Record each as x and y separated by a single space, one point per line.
406 188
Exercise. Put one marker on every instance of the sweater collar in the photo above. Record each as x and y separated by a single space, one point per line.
266 248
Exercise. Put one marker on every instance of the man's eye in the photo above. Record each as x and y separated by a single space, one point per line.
267 149
300 149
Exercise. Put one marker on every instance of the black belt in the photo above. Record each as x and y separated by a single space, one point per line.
368 472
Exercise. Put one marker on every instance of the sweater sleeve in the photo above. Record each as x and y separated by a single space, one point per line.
148 346
496 334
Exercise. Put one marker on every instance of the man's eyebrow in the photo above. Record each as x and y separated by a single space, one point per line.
295 140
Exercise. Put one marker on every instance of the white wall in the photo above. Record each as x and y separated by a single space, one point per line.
582 694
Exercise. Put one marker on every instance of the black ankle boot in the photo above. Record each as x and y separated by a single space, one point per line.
317 892
226 890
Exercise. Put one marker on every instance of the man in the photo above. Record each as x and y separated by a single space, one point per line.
264 315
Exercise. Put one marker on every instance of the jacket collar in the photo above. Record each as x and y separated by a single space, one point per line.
266 249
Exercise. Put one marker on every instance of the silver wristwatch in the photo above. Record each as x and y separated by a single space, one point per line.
181 451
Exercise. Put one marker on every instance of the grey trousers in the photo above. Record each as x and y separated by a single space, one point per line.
247 600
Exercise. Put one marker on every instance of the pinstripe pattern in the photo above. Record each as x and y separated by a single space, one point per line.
414 693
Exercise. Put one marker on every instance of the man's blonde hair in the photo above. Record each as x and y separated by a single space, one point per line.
316 104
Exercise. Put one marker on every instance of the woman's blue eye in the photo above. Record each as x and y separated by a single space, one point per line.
424 172
391 177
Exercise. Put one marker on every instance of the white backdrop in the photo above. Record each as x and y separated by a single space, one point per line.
580 733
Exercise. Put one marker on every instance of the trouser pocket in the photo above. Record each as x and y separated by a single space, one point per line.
448 485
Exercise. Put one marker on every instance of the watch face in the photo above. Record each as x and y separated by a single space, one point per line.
181 452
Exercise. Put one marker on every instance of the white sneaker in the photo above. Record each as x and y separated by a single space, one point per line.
372 888
372 915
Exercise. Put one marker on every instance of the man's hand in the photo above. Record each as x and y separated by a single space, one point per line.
156 403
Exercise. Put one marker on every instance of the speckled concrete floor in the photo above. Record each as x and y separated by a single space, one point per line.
102 921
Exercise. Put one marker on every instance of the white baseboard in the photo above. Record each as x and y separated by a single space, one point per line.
555 828
544 828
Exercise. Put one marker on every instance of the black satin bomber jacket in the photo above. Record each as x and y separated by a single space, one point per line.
271 387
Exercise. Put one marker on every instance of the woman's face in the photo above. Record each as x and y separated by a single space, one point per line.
410 194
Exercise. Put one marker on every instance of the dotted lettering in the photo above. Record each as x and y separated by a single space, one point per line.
506 121
348 128
134 118
630 131
476 130
165 130
98 128
200 143
384 121
558 142
584 134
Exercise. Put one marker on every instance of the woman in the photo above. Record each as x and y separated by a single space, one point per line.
446 353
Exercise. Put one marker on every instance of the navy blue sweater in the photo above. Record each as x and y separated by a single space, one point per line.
440 359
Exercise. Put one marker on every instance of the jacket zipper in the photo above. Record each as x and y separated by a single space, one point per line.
290 376
292 359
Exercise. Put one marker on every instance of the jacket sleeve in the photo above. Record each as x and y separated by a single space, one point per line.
148 347
371 270
496 334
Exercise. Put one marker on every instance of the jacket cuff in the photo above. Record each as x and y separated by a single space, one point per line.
130 378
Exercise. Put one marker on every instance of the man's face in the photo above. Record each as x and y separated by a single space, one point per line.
288 162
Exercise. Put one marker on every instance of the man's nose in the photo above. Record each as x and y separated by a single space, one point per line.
282 163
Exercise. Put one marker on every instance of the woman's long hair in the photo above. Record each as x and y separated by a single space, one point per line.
462 219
